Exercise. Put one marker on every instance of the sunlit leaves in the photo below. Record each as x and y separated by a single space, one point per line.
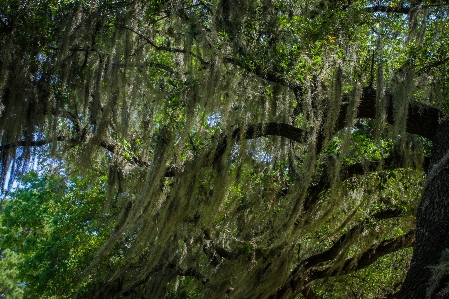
54 227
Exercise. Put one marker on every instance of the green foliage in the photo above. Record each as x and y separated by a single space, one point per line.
51 224
10 286
172 99
382 278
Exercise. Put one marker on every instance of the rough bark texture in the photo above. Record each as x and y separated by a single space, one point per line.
432 234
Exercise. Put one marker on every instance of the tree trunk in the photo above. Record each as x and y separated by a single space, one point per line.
432 223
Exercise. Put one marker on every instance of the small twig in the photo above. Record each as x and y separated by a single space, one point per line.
168 49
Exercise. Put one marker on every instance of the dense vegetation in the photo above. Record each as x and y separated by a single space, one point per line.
224 149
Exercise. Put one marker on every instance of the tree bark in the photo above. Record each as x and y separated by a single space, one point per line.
432 222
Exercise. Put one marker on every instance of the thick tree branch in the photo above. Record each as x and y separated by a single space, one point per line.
218 249
422 119
365 259
296 284
27 143
194 273
353 170
308 292
335 249
111 147
172 266
428 67
389 9
389 295
399 9
259 71
259 130
301 276
75 120
108 146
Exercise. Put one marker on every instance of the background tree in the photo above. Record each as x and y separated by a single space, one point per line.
253 148
55 225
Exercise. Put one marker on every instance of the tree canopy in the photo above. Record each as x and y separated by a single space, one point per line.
230 148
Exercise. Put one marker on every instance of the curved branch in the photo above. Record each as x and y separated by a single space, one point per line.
335 249
259 130
167 49
28 143
389 9
399 9
261 72
365 259
299 278
422 119
296 284
351 171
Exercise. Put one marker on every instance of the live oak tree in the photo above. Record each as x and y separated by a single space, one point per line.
253 148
